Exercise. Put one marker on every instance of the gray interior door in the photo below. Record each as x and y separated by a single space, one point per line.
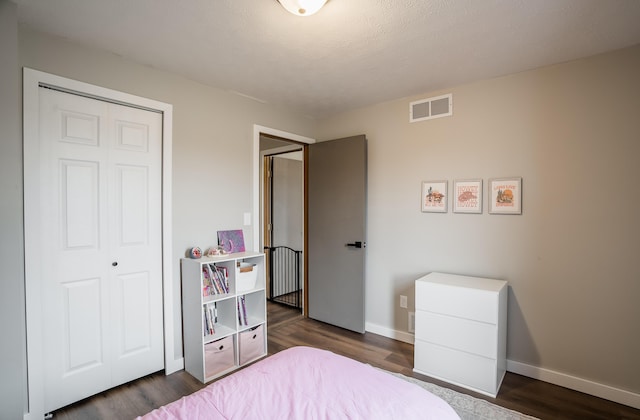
337 197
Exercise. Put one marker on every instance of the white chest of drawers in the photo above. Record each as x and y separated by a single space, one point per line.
461 330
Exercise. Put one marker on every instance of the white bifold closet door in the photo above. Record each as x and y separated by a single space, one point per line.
100 193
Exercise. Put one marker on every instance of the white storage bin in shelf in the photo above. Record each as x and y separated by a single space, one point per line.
219 356
251 344
246 277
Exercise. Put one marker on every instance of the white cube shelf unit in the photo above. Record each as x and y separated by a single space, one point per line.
224 313
461 330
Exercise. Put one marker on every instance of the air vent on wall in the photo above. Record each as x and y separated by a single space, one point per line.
427 109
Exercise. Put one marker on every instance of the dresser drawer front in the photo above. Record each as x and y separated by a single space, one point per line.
457 367
479 305
458 333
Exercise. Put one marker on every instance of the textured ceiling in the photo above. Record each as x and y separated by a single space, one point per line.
352 53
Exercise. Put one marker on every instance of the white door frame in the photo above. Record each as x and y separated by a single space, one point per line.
33 80
258 245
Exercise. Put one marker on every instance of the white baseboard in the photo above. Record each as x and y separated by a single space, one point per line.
607 392
388 332
578 384
174 365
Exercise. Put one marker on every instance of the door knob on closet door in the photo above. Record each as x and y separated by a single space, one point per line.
357 244
115 263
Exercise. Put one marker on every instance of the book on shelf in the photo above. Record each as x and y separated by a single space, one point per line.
223 272
207 283
209 319
222 281
215 280
242 312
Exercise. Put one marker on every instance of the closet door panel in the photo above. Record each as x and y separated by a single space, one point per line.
73 194
135 241
101 236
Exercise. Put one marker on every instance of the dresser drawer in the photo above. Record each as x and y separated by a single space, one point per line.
457 333
457 367
464 297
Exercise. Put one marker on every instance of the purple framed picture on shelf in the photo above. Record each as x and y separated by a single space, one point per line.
231 241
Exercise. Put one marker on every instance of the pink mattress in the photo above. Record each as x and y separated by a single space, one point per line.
307 383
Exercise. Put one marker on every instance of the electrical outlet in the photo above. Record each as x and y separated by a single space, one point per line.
403 301
412 322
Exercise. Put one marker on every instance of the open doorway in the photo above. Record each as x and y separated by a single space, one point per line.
282 216
334 250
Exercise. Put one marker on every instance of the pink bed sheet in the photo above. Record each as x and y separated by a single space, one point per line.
307 383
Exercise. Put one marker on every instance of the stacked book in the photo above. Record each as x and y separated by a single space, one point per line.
209 319
215 280
242 311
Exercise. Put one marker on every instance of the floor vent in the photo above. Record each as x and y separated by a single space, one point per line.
430 108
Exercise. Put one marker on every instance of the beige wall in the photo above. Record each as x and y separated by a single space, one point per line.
12 321
572 132
212 139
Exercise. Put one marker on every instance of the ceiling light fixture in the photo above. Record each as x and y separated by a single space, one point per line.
302 7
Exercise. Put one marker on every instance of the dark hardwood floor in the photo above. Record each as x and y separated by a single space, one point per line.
287 328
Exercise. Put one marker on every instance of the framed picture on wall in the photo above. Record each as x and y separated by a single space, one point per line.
505 195
467 196
434 196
